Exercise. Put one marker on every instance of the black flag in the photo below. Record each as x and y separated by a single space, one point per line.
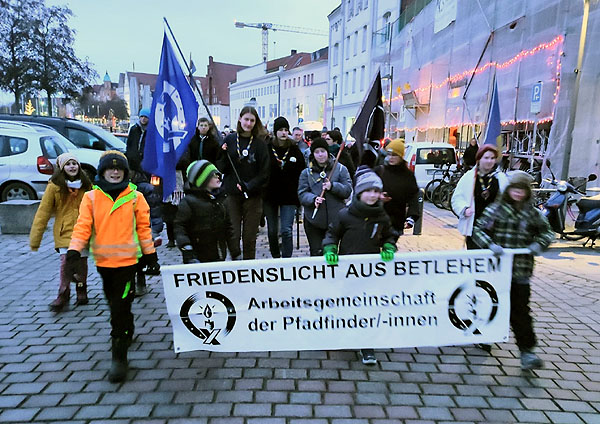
370 122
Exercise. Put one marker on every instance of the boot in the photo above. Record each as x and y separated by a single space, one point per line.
119 366
81 285
140 283
64 290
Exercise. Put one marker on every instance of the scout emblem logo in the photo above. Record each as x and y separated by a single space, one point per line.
472 306
169 117
205 315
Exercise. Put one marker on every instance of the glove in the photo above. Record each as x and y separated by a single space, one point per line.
189 257
535 248
331 255
496 249
387 252
409 223
150 261
71 264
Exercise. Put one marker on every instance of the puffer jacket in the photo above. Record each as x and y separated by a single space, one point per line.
310 186
66 210
117 231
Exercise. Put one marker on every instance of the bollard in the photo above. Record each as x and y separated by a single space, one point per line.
417 229
16 216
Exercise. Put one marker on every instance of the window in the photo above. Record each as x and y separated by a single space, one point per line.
366 4
334 88
83 139
346 83
347 47
336 53
355 42
10 146
350 9
362 78
304 79
354 80
289 108
294 82
52 147
294 104
312 79
364 40
284 84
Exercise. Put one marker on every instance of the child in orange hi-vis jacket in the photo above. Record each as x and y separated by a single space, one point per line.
114 220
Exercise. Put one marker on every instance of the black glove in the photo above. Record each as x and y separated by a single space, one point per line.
150 261
71 264
189 257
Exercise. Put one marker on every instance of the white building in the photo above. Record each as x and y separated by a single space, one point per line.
294 86
350 68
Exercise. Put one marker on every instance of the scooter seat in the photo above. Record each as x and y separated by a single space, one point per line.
589 203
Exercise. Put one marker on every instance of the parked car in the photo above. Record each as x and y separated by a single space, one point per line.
27 157
82 134
424 159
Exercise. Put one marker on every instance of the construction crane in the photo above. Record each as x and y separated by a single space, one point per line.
266 27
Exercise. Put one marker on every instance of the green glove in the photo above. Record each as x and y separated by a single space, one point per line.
387 252
331 256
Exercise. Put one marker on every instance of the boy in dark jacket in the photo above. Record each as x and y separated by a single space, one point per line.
363 227
513 222
202 224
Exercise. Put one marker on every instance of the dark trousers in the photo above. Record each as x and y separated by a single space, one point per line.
276 214
471 244
245 215
520 314
315 236
118 285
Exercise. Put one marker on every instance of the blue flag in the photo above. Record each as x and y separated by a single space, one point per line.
493 129
172 122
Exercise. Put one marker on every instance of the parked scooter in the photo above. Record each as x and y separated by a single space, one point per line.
587 223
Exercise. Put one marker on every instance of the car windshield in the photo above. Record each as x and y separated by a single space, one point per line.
435 156
113 142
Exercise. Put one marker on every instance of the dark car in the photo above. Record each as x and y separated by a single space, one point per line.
82 134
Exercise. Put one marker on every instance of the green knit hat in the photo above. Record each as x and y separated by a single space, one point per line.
199 172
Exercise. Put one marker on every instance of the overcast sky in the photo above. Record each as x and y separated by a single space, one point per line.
115 34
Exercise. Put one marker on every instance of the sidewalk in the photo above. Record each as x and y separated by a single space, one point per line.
53 367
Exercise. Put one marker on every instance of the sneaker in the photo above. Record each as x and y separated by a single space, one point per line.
368 356
530 361
170 244
484 346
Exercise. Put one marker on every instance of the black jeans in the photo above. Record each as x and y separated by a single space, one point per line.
315 236
245 217
520 314
118 285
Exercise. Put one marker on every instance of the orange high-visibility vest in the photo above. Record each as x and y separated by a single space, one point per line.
117 232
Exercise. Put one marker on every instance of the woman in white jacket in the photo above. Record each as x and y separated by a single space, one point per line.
477 189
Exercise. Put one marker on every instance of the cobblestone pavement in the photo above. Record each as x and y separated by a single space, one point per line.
53 368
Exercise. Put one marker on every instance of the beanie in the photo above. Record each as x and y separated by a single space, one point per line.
486 148
396 147
199 172
145 112
279 124
367 181
113 159
62 160
318 142
519 179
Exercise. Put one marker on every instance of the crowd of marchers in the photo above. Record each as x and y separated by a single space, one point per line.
351 200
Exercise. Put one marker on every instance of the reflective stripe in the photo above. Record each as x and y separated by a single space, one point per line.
127 288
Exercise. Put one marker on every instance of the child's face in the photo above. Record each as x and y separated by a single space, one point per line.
114 175
203 128
214 182
247 121
487 162
71 168
370 197
394 159
517 194
282 134
321 155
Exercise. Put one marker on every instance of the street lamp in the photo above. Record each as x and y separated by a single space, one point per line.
390 77
332 104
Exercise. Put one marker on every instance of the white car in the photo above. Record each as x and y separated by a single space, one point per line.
426 159
28 155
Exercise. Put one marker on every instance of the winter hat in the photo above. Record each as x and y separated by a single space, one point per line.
396 147
279 124
367 181
145 112
520 179
486 148
318 142
199 172
113 159
62 160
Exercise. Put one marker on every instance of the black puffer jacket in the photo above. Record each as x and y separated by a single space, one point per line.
210 150
202 221
400 184
361 229
283 182
253 169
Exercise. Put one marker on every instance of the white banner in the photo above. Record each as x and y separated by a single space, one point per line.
418 299
445 14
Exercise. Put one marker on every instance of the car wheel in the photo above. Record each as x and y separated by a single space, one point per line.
18 191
